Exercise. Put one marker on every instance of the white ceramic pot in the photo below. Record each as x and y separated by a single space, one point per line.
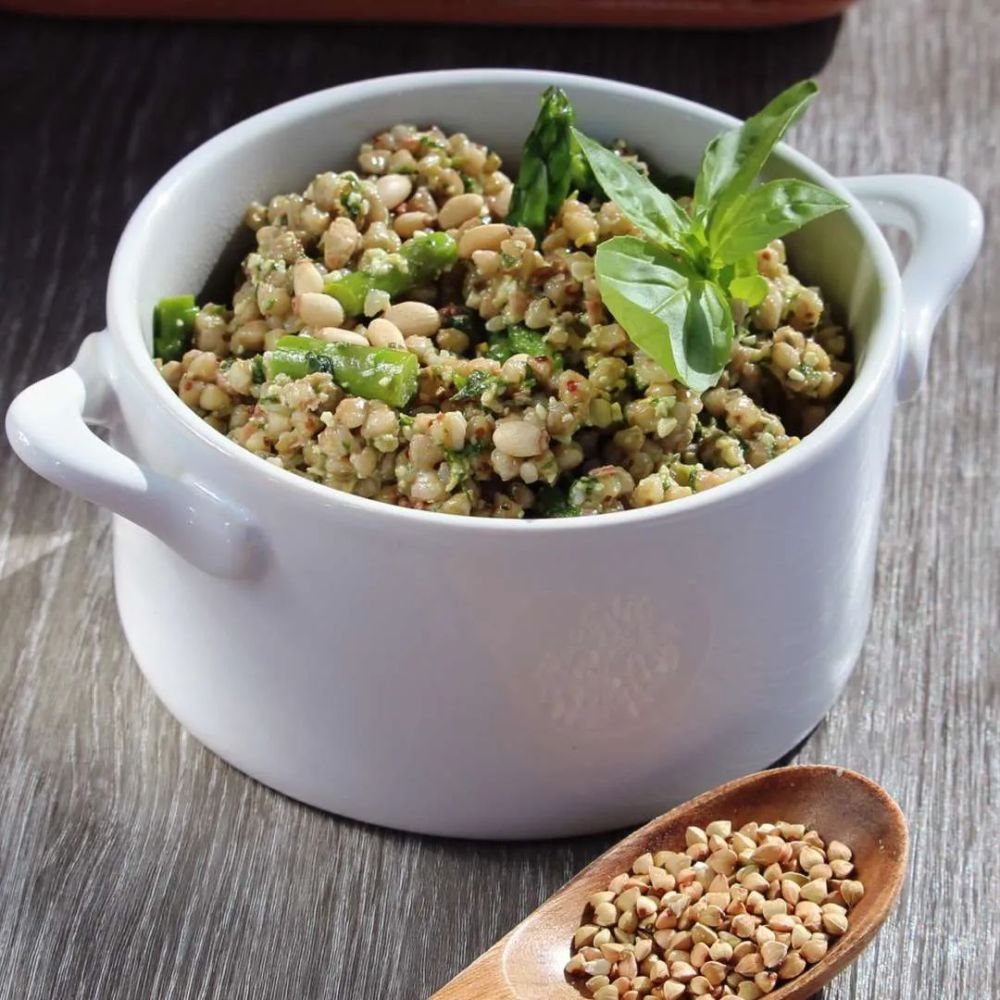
473 677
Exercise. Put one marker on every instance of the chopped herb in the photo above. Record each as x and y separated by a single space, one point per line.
476 385
519 340
460 462
553 502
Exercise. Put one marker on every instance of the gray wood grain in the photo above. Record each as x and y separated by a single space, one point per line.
133 864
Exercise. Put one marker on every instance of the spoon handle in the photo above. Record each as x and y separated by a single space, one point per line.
483 980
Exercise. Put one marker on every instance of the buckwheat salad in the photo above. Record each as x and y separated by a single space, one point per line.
423 331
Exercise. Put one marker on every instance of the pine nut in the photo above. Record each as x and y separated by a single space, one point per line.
341 241
306 277
487 262
410 222
334 335
384 333
317 309
393 190
459 209
487 237
414 319
272 301
499 203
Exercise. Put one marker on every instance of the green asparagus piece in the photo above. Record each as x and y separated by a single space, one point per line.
547 168
350 291
582 179
370 372
422 258
427 255
173 326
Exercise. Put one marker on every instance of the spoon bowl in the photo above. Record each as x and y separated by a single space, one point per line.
528 963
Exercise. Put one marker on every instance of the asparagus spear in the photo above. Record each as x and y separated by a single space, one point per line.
370 372
422 259
547 165
173 326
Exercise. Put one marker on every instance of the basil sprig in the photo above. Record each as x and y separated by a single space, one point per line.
671 289
679 318
547 165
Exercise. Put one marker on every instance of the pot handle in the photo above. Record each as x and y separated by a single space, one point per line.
944 223
47 425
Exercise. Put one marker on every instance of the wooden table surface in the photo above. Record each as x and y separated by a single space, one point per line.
133 863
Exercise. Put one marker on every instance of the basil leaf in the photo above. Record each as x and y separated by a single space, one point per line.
743 281
681 320
752 289
770 211
648 208
543 181
734 158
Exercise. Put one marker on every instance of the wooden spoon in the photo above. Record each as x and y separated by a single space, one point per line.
528 963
